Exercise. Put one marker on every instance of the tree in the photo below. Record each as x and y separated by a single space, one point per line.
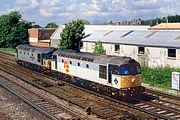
13 30
51 25
71 35
99 49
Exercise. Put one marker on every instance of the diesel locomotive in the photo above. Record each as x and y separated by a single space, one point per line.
111 75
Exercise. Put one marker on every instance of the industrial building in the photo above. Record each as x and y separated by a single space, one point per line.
156 46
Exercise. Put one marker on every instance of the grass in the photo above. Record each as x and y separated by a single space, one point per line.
8 50
160 76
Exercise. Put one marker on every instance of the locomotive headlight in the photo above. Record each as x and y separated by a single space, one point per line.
133 80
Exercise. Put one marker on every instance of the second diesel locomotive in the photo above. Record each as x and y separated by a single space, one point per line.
110 75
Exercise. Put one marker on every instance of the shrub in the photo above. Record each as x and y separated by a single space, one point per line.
160 76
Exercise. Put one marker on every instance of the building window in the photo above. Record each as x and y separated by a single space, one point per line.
20 52
24 53
70 62
46 35
87 66
32 54
117 48
38 57
172 53
28 53
141 50
78 64
102 72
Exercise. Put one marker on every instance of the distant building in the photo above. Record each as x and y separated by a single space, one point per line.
134 22
40 36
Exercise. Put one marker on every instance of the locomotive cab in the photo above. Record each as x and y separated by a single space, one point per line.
126 77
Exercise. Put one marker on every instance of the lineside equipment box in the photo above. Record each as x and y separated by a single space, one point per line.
176 80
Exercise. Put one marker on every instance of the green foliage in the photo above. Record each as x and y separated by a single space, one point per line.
170 19
8 50
71 35
160 76
86 22
51 25
99 49
13 30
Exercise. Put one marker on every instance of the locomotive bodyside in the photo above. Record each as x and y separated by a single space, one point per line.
111 75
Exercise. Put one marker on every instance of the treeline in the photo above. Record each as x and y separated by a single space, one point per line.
13 30
169 19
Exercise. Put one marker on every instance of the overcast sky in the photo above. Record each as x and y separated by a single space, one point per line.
62 11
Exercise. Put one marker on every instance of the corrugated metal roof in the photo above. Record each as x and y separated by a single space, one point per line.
159 39
35 48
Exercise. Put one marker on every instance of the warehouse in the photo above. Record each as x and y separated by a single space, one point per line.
150 47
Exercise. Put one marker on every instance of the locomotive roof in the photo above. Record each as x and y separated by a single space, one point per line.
91 57
27 47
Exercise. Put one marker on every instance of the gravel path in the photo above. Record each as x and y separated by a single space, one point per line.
12 108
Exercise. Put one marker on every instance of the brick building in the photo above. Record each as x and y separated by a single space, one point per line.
40 36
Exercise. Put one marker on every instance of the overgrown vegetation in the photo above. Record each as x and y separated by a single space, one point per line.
99 49
160 76
8 50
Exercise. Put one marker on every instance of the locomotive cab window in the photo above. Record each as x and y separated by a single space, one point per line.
102 72
172 53
138 69
124 70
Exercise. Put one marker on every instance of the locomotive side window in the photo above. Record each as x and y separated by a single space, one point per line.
62 60
70 62
87 66
102 72
124 70
38 58
78 64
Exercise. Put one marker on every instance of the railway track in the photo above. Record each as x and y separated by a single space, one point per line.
45 105
106 109
103 108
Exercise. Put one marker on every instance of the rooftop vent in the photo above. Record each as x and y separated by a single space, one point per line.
127 33
151 34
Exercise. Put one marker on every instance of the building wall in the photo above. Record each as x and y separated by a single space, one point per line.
152 56
40 44
40 37
55 43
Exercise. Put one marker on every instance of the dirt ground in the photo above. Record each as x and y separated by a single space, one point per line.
12 108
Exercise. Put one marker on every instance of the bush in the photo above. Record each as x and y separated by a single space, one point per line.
160 76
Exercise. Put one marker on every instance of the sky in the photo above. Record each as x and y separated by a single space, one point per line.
95 11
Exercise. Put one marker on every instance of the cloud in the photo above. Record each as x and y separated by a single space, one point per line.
63 11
